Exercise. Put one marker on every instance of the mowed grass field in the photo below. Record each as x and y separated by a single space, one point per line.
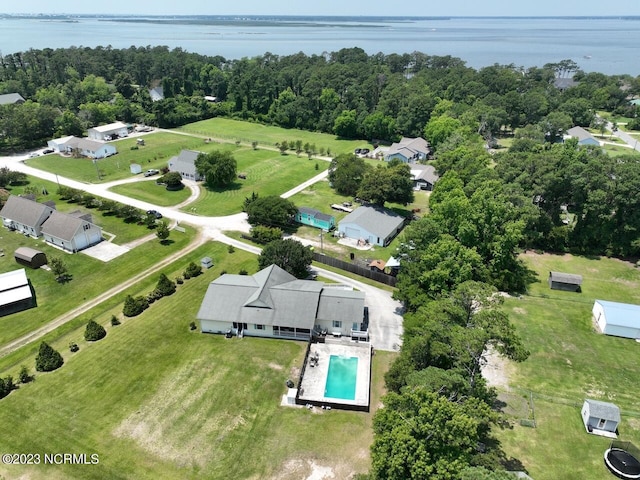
156 400
569 362
150 191
267 173
248 132
159 148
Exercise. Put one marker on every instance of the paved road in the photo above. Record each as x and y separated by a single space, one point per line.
385 320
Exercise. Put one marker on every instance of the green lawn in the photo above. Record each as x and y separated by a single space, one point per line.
156 400
267 173
248 132
617 151
151 192
159 148
570 362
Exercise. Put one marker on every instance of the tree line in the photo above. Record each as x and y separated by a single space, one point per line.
354 95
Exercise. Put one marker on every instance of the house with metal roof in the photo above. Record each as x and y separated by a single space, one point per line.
315 218
584 137
374 225
72 232
107 132
156 93
11 99
273 303
600 418
185 165
15 292
408 150
24 215
565 281
617 319
424 177
86 147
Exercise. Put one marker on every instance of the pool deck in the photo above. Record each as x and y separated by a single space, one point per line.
312 386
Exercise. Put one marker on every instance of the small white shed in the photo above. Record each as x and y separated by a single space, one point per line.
135 169
206 262
600 418
617 319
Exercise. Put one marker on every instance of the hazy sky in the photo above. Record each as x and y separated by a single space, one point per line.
331 7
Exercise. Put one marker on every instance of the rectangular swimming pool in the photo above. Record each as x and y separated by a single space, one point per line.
341 377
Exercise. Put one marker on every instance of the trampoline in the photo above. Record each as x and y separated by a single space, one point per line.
621 463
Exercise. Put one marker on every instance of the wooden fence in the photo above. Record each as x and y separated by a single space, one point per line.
357 269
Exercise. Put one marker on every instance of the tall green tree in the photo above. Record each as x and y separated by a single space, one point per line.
271 211
346 173
288 254
48 359
219 168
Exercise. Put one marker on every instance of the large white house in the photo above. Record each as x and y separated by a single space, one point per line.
83 147
71 232
273 303
108 132
185 165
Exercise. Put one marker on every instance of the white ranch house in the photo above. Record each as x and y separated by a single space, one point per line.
274 304
617 319
185 165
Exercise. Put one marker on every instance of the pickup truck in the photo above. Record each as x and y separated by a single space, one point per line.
151 172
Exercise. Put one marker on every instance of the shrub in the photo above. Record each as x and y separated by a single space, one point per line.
179 280
24 376
192 326
264 235
134 306
192 270
48 359
6 385
231 249
165 286
94 332
73 346
114 321
243 272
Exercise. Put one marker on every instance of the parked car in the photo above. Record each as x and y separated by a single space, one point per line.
34 155
155 213
151 172
47 150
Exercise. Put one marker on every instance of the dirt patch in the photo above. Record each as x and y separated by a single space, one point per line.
275 366
519 311
496 370
299 469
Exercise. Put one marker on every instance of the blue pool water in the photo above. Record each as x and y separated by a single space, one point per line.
341 378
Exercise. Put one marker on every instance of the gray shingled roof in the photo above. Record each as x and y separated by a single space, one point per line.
272 297
10 98
62 226
570 278
605 410
315 213
409 147
24 211
424 172
379 221
579 133
186 157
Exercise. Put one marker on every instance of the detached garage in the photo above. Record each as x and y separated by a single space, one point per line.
15 292
617 319
30 257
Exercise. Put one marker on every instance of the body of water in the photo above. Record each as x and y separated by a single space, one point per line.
599 44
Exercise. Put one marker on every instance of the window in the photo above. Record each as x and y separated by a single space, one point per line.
259 327
337 324
355 326
86 226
